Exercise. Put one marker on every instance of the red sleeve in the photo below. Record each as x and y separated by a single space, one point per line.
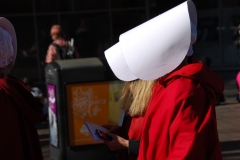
194 127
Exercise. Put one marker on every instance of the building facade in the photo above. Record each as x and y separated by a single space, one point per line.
95 25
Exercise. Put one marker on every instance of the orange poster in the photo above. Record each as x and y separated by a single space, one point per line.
95 102
86 102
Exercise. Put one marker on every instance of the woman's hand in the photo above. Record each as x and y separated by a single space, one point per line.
112 128
117 142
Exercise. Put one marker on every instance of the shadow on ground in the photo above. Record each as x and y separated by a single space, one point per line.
230 146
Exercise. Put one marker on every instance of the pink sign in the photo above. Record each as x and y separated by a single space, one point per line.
52 98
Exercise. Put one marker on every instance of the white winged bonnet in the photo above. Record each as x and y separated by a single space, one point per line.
156 47
8 43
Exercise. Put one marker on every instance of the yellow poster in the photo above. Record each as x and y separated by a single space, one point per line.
115 111
92 102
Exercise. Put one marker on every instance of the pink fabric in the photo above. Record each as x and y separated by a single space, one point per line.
51 54
238 81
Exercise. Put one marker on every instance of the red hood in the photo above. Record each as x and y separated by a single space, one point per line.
201 73
22 98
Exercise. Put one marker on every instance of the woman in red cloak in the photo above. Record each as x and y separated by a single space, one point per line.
170 97
19 111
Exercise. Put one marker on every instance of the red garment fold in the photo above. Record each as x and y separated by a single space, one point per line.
180 121
19 112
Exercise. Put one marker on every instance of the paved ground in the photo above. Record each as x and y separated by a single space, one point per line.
228 118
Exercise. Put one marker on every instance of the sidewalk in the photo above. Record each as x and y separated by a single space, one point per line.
228 119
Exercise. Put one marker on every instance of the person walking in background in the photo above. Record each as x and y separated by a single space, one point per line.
176 117
19 110
60 48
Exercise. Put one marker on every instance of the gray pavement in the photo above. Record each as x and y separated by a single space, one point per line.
228 119
43 133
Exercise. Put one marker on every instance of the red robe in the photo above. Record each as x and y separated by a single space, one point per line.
180 121
19 112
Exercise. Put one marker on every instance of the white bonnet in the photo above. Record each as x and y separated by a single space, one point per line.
156 47
8 43
6 48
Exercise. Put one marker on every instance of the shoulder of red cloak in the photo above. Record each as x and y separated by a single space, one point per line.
185 71
201 73
26 103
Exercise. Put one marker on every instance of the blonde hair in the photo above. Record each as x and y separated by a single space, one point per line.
136 95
